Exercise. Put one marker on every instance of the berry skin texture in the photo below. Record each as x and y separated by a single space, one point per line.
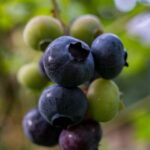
42 69
61 106
68 61
30 76
84 136
38 130
104 99
86 28
41 30
109 55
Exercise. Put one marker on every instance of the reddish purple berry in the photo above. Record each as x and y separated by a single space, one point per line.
84 136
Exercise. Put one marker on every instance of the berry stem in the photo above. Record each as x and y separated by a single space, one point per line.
56 13
56 10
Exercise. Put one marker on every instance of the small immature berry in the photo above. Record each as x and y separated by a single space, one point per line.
30 76
86 28
104 99
41 30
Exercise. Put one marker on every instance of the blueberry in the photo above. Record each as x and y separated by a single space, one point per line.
38 130
84 136
42 69
63 106
68 61
109 55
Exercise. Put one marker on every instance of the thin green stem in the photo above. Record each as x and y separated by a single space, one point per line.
56 10
56 13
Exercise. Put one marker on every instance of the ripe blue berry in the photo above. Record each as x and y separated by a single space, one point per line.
109 55
84 136
63 106
68 61
38 130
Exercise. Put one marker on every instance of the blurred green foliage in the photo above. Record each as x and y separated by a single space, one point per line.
141 125
15 100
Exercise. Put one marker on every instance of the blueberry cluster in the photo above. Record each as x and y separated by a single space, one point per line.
67 112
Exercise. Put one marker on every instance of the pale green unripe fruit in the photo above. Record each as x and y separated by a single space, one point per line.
41 30
86 28
29 76
104 99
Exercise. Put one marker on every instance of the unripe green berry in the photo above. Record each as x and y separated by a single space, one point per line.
104 99
86 28
41 30
29 76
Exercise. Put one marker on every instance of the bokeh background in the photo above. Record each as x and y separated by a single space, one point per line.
129 19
